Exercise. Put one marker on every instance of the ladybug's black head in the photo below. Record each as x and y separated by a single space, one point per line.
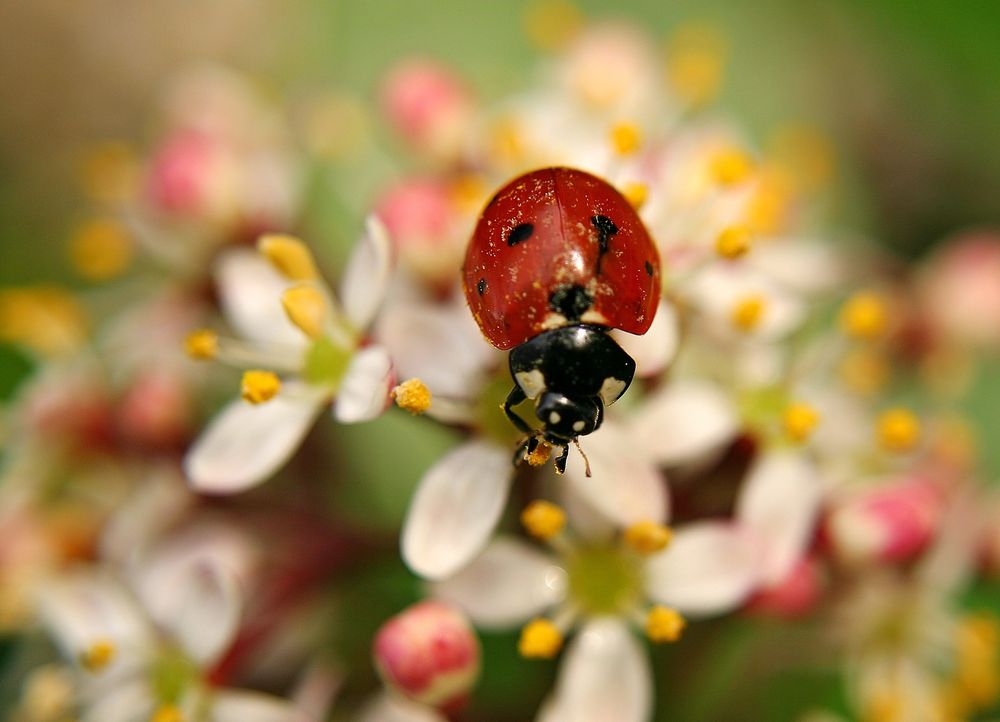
565 418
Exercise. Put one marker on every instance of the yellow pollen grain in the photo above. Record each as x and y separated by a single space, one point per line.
733 242
540 455
748 312
626 138
664 624
306 308
259 386
101 249
98 655
552 24
289 255
898 429
543 519
202 344
731 166
864 316
696 60
412 395
540 639
167 713
647 537
636 193
799 421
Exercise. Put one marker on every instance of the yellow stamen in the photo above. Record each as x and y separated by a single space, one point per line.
626 138
259 386
98 655
540 455
799 420
543 519
748 312
552 24
289 255
540 639
865 371
977 650
46 319
898 429
648 537
733 242
507 141
412 395
101 249
306 308
469 192
771 202
731 166
695 62
110 172
864 316
635 193
202 344
167 713
664 624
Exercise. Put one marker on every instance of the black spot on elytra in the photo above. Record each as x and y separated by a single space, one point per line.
481 286
649 269
570 301
520 234
605 229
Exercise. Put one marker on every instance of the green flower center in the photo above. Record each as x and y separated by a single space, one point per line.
604 579
326 363
171 675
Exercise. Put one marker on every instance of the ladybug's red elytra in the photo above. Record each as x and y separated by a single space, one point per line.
558 259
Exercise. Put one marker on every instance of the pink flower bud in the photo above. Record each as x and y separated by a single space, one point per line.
186 175
427 105
890 524
155 411
429 653
794 596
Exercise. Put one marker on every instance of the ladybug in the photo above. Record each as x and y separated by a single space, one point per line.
558 259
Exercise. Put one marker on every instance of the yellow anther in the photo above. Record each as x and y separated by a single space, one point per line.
167 713
259 386
626 138
540 639
731 166
648 537
110 172
541 454
98 655
202 344
46 319
865 371
733 242
289 255
664 624
898 429
543 519
748 312
412 395
799 420
864 315
469 192
101 249
636 193
507 141
306 308
552 24
695 62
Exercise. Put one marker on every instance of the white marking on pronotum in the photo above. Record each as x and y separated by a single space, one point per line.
532 382
611 389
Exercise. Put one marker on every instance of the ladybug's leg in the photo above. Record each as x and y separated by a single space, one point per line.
515 397
561 460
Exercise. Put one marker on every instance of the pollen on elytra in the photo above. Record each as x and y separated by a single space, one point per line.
98 655
540 639
259 386
412 395
543 519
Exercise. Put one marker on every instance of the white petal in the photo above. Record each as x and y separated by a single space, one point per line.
604 676
684 422
778 505
366 275
623 485
709 568
720 287
250 294
129 701
386 708
654 350
364 392
801 265
245 443
455 508
507 584
245 706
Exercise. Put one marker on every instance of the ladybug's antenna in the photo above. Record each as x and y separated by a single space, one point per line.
586 461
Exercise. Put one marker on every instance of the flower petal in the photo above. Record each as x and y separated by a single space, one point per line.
507 584
604 676
654 350
623 486
386 708
683 423
455 508
127 701
245 706
708 568
778 505
366 276
364 392
245 443
250 292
